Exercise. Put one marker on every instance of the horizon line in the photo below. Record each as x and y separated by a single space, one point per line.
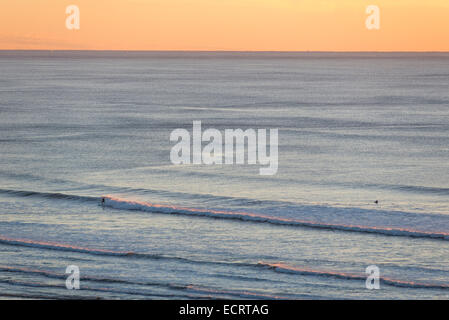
230 51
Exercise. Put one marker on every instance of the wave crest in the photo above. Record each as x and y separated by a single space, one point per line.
124 204
284 268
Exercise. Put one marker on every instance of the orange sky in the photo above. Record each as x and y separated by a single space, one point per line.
278 25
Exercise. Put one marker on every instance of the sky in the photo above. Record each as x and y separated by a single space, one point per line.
242 25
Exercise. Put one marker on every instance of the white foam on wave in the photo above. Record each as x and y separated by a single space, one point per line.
124 204
284 268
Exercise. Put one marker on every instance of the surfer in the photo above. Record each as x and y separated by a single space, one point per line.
102 201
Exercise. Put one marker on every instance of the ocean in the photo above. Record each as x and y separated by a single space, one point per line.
354 128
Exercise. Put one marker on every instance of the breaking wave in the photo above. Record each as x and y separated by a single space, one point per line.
284 268
308 221
123 204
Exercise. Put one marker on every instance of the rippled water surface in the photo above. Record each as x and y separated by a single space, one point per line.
352 129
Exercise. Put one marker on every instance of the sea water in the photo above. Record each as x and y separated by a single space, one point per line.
76 127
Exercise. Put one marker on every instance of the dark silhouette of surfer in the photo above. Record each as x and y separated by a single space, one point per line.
102 201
